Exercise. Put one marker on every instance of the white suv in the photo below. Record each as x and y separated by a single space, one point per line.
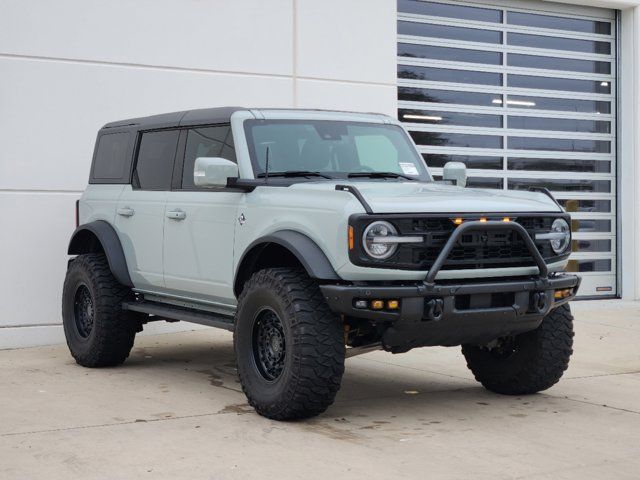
313 235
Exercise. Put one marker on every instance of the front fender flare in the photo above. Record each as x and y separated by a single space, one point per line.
308 253
105 234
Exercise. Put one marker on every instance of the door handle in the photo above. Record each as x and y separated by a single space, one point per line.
126 211
177 214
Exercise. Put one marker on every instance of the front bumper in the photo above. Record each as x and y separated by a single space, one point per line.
453 314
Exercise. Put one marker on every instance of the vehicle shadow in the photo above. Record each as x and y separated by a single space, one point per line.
369 389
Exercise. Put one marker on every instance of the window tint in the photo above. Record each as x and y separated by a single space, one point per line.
111 156
156 153
206 142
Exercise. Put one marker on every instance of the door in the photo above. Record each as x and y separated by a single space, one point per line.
524 93
140 212
200 223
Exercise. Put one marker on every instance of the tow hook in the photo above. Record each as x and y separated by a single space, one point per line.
434 309
539 301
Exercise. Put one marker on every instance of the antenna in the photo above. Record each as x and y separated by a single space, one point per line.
266 166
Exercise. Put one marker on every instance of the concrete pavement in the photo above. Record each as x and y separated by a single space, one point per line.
175 410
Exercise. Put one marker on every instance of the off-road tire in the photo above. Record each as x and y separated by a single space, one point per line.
538 360
314 350
112 333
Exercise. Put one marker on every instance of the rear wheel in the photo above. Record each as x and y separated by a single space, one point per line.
525 363
98 332
289 345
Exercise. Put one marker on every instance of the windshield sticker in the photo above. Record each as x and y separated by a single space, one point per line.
408 168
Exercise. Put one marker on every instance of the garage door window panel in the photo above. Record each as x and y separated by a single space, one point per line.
562 84
558 43
556 63
558 23
560 124
449 97
449 75
558 104
449 32
471 161
435 117
452 11
559 165
449 54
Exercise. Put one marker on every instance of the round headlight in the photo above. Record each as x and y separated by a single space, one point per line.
373 240
560 226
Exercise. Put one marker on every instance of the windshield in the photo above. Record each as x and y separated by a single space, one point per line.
334 149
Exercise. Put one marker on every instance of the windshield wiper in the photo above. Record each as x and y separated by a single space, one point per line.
380 175
294 173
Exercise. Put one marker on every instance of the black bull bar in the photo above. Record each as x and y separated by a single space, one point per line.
457 312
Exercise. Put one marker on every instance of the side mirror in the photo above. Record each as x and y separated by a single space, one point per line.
213 171
456 173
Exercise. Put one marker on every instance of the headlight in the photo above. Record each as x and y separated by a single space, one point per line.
373 240
561 235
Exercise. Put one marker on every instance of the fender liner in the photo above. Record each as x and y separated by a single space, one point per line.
110 243
308 253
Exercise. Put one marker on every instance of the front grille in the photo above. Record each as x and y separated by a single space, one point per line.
475 249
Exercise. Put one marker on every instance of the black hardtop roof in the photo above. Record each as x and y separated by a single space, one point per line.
174 119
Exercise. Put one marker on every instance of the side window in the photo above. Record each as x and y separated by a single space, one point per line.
111 157
206 142
154 166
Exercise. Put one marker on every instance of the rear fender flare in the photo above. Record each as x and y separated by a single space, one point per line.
84 240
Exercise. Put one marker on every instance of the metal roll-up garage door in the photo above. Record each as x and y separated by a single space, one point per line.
524 94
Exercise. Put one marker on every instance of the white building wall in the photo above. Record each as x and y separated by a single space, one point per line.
68 67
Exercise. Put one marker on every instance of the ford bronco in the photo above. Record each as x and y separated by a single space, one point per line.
312 236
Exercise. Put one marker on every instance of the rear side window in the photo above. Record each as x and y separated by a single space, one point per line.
214 141
111 164
154 165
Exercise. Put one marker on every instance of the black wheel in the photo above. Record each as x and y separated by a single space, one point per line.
526 363
289 345
98 332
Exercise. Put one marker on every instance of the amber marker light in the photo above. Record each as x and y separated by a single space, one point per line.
351 244
506 219
393 304
377 304
457 221
483 219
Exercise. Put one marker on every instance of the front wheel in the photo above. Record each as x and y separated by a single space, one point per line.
289 346
526 363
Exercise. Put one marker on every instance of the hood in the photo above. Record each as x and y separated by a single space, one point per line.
422 197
